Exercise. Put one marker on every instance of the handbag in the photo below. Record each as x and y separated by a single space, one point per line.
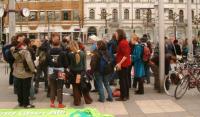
85 84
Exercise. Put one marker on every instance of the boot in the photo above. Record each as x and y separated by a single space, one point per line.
52 105
135 82
140 91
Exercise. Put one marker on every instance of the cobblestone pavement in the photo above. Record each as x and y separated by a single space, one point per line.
152 104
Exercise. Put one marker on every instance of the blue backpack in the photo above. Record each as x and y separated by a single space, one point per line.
8 57
112 47
105 65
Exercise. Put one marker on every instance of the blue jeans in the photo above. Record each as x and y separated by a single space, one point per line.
103 80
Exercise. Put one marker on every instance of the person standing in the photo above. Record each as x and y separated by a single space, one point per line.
138 64
101 65
123 61
57 63
23 72
77 66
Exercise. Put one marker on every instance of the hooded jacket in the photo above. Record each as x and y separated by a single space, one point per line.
18 66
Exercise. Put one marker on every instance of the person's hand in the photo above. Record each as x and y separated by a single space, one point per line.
118 66
12 48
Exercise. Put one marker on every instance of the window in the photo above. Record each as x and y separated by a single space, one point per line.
180 1
17 17
192 14
170 1
137 12
67 15
75 15
92 14
42 16
115 15
170 14
103 13
126 14
57 16
149 15
33 16
50 15
181 16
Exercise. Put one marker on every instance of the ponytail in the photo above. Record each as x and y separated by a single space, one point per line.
78 58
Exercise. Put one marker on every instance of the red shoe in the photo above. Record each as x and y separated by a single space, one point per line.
52 105
61 106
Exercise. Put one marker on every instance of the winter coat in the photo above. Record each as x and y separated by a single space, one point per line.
138 61
18 66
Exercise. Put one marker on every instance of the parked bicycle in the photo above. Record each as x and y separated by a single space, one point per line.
190 80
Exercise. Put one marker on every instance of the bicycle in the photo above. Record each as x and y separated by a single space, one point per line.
173 77
189 81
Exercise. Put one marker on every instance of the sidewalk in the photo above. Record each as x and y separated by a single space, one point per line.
151 104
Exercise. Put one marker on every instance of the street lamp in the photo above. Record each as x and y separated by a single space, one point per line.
81 24
196 22
175 18
105 17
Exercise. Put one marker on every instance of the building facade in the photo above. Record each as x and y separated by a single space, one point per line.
48 16
139 16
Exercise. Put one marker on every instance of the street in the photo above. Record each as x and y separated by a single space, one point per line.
151 104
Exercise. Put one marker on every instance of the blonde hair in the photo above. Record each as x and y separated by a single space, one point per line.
74 47
135 37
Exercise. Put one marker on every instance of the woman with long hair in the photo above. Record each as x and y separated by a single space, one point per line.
99 61
139 68
77 66
123 61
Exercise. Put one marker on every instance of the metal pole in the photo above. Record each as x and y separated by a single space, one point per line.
12 23
132 15
161 44
48 25
189 28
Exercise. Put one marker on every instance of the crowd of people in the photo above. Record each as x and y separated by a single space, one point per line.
60 62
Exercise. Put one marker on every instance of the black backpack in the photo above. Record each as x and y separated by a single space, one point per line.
8 57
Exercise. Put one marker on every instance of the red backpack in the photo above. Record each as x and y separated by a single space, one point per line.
146 55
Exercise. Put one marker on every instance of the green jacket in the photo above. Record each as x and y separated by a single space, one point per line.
81 66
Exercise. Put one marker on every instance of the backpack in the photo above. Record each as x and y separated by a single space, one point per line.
105 65
112 47
146 54
8 57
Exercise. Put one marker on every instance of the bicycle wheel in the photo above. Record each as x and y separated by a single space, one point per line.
170 83
198 84
182 87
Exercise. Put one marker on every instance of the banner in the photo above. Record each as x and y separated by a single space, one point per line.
51 113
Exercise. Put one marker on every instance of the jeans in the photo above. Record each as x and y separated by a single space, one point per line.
32 91
100 80
23 90
11 77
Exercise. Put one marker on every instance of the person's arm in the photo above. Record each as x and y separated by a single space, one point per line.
29 61
125 49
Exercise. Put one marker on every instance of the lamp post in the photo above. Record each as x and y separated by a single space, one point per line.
161 43
105 17
189 28
81 24
174 18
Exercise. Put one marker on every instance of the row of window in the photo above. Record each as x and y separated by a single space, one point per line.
142 1
51 15
104 14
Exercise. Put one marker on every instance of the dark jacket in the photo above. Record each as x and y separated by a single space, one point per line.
57 57
95 60
73 66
